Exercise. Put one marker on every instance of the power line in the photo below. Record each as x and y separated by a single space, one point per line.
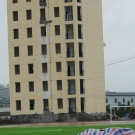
120 61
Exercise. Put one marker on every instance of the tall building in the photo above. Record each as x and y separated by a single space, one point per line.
56 58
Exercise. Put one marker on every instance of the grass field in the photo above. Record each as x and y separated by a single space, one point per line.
55 130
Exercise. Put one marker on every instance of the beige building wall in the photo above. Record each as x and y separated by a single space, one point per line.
92 68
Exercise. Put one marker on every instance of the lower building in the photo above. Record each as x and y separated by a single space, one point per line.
120 98
4 100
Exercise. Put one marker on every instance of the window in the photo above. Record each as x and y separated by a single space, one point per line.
45 104
32 104
43 49
57 30
16 33
29 32
58 48
123 100
43 31
79 31
58 66
28 0
80 47
45 85
60 103
106 100
132 100
115 100
59 84
17 69
15 15
42 16
16 51
30 69
68 0
28 15
44 67
56 12
31 86
17 87
42 2
15 1
18 104
30 50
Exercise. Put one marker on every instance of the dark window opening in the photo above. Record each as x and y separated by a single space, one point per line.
17 69
16 33
80 31
45 104
58 48
115 100
57 30
44 67
43 49
82 90
15 15
80 50
106 100
42 2
31 86
17 87
79 16
18 104
60 103
30 69
16 51
56 12
42 16
30 50
32 104
43 31
28 14
81 63
45 85
82 104
29 32
123 100
58 67
15 1
59 84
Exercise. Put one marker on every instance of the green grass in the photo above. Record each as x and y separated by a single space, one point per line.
56 130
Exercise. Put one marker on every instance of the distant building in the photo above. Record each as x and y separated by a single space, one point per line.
127 98
4 99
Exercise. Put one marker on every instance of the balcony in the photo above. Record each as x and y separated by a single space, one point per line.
68 13
42 20
68 1
42 3
80 54
70 54
71 91
68 17
72 109
81 72
71 73
69 31
82 90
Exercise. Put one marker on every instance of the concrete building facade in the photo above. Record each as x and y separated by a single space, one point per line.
56 58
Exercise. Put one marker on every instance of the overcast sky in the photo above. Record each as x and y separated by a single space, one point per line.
119 35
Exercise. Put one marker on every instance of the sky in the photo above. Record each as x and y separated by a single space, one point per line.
118 31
